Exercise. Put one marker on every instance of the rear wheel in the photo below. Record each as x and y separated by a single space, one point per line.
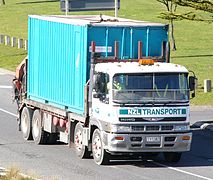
39 135
81 150
172 157
99 153
26 123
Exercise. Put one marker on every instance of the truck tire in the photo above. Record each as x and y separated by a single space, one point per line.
172 157
101 157
80 149
26 123
39 135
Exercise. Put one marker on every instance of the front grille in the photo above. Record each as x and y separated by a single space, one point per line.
152 128
137 128
167 128
140 119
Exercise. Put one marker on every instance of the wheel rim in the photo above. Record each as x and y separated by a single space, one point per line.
24 124
97 147
36 127
78 140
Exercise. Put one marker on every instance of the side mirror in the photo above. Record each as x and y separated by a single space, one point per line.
96 95
193 94
192 81
192 84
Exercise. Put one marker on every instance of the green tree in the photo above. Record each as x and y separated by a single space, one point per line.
195 15
195 5
171 9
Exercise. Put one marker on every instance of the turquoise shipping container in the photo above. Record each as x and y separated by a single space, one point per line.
59 53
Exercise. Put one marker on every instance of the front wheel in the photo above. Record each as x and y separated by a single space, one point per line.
99 153
172 157
80 149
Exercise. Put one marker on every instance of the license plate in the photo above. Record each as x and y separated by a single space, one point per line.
153 139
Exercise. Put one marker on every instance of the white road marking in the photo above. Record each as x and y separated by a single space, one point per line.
6 87
182 171
172 168
3 170
5 111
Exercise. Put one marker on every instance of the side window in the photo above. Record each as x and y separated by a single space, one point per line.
101 82
104 79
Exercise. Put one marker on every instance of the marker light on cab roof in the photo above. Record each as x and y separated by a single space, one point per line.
146 62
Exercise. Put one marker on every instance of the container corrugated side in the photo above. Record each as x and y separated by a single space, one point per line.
152 38
126 31
59 54
57 65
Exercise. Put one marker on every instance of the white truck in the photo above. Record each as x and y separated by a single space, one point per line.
122 102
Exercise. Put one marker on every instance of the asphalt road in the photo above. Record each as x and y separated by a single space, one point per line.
60 162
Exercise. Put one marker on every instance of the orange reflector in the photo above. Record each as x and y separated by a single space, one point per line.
120 138
186 138
146 61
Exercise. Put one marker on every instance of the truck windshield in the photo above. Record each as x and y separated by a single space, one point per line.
150 88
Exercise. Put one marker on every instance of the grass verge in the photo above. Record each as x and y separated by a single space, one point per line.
14 174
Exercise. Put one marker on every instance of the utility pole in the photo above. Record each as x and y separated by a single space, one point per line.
67 6
116 8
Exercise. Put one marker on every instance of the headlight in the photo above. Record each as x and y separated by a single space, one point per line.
120 128
182 128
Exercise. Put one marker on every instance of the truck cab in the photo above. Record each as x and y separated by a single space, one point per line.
141 107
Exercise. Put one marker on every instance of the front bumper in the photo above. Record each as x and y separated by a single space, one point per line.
133 143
